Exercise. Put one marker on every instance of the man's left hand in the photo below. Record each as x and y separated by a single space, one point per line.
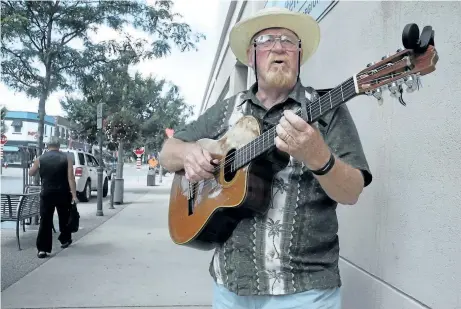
302 141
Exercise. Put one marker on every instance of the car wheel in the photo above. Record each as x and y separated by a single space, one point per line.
86 194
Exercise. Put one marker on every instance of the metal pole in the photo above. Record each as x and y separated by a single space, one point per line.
99 211
100 168
112 191
118 194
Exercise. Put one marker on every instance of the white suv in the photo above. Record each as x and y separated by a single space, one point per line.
86 174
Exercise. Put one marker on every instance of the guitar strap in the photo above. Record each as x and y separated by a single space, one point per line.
312 95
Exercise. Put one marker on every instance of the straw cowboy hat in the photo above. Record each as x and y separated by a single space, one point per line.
304 26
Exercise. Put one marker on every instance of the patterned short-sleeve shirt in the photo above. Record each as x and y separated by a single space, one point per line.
295 246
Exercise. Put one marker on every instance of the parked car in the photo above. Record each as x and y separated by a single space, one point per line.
86 174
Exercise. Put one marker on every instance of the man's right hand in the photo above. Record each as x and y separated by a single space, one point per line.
197 163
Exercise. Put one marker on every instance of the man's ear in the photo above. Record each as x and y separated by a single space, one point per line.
250 57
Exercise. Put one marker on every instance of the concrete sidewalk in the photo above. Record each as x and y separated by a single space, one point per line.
15 263
129 261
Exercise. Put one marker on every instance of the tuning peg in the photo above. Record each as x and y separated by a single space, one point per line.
395 89
399 50
378 94
412 83
370 64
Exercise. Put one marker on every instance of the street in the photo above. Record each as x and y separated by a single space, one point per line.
11 180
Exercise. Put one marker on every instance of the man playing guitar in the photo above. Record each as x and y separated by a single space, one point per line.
287 258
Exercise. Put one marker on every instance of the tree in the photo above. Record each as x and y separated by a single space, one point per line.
38 50
169 111
109 84
138 109
3 112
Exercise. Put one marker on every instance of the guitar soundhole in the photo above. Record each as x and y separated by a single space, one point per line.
229 164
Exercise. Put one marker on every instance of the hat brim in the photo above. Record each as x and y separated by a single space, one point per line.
304 26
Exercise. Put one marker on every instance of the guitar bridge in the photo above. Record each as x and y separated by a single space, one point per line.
191 198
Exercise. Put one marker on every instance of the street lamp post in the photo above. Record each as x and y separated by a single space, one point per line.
119 182
99 211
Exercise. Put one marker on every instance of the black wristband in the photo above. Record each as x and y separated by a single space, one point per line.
326 168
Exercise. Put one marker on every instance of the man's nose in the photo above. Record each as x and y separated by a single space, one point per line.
277 47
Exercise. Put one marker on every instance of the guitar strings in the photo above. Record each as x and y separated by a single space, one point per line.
271 132
229 160
314 109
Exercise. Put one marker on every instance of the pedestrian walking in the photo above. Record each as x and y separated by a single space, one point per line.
58 192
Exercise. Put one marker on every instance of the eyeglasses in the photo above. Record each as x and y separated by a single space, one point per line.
267 42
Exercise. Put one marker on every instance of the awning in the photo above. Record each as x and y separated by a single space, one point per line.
10 148
16 123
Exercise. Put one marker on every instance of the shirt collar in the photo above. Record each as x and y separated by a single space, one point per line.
296 94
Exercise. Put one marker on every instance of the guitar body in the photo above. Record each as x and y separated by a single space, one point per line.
205 214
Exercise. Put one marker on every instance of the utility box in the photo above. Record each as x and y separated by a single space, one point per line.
151 177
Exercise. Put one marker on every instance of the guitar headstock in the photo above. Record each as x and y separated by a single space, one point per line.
405 67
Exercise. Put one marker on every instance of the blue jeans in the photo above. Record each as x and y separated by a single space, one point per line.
313 299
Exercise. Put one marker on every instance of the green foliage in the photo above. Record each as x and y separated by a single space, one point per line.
169 111
3 112
38 51
122 126
136 109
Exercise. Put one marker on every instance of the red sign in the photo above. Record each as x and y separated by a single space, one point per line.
4 139
33 133
169 132
139 151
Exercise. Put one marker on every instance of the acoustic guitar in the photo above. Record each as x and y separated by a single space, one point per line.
204 214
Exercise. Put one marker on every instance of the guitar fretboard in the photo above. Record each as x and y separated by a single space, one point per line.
316 109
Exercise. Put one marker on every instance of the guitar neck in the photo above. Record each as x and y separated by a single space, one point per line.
315 110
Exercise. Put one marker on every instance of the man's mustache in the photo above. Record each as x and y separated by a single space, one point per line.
279 60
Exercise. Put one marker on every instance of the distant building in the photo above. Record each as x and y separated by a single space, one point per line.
63 130
21 130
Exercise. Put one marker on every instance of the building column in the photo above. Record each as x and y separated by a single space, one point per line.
238 79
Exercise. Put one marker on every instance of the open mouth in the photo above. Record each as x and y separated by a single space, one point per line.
278 61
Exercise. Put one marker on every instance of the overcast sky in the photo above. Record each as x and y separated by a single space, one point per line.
188 70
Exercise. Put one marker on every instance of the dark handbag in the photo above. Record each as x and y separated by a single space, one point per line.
74 218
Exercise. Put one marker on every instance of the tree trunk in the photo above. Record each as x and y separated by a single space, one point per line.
41 124
41 107
41 121
120 155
